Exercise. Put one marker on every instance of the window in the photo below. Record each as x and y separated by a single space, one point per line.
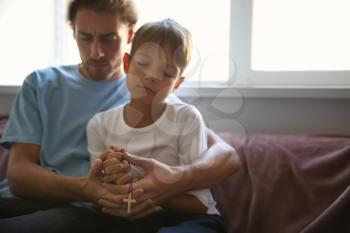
209 26
291 43
239 43
40 37
27 39
300 35
210 31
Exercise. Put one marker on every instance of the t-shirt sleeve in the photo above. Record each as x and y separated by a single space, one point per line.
193 143
24 124
95 138
193 136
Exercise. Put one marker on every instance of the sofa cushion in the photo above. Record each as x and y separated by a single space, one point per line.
287 183
3 152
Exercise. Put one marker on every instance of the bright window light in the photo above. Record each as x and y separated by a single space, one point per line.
300 35
27 38
40 37
209 25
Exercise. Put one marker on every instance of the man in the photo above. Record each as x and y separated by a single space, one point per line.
46 135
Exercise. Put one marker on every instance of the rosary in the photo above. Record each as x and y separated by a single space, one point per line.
129 200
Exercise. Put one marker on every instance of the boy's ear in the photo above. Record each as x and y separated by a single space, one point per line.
126 60
179 81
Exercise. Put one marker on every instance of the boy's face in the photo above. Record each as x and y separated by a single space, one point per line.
102 40
152 73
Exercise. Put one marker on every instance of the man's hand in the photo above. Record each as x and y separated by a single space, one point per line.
95 189
160 181
110 196
111 171
156 186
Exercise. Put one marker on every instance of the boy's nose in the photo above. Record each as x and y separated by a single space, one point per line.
153 75
152 78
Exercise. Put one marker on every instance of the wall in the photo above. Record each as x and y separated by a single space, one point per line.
281 115
6 101
263 115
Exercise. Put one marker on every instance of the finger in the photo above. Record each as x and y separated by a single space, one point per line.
139 161
96 169
153 194
115 172
141 208
146 213
115 154
124 179
115 212
113 167
117 189
110 161
117 201
116 148
112 178
104 154
108 204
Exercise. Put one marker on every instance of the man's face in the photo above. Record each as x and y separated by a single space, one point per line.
102 40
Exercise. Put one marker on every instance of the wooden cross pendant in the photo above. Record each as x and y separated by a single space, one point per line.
129 200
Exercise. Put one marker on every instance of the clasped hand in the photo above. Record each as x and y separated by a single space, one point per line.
114 175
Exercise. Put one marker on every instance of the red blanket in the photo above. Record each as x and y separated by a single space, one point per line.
287 184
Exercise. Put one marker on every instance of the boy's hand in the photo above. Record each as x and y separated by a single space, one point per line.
115 169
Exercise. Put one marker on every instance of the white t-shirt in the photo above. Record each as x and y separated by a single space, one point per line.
178 137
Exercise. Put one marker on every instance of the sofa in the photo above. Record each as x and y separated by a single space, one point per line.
286 183
3 152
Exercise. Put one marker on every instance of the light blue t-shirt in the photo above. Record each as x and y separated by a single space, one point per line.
52 110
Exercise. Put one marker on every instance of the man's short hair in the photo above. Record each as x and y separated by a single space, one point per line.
126 9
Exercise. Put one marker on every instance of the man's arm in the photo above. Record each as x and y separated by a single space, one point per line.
29 180
185 204
218 162
162 182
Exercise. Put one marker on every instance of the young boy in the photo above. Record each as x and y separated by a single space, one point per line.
151 124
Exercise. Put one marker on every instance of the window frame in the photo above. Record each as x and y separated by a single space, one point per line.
241 41
259 84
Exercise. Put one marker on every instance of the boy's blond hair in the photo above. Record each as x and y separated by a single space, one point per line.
169 34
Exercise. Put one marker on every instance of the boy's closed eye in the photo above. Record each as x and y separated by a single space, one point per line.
169 75
142 64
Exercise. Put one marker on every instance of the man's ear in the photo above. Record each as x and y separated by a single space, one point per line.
131 33
126 60
179 81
